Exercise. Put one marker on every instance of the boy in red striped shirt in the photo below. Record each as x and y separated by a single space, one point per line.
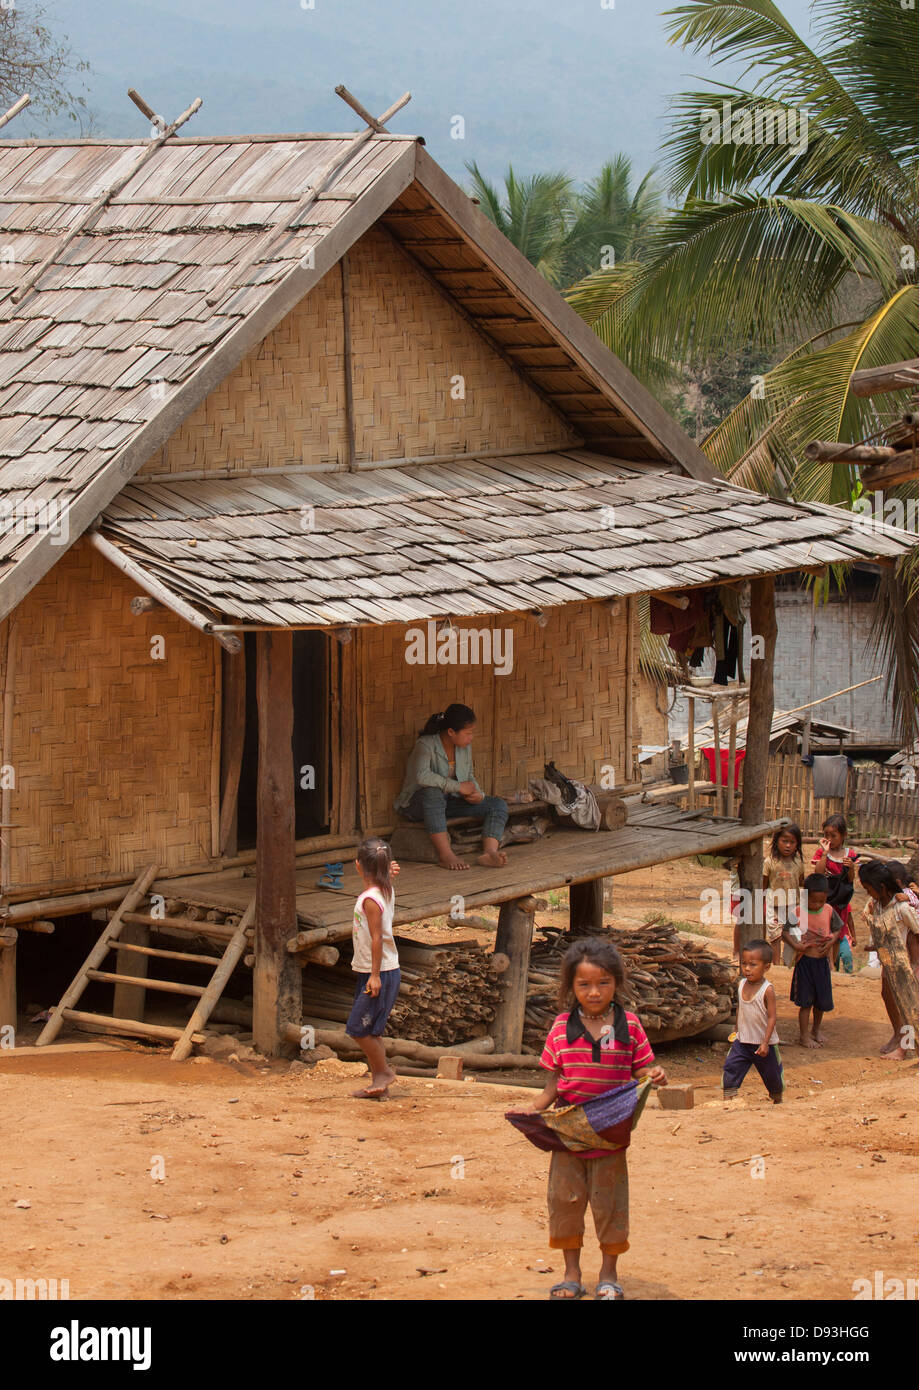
592 1047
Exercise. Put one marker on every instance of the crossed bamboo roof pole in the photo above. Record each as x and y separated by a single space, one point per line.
263 245
98 205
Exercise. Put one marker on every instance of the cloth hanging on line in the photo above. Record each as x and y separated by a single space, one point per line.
831 774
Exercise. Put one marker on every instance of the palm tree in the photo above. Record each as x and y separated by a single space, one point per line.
774 241
565 232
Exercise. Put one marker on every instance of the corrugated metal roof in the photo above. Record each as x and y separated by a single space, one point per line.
399 544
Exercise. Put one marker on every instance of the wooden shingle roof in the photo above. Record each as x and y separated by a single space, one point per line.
485 536
117 341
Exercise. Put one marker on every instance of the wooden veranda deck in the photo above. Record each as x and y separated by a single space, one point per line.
654 834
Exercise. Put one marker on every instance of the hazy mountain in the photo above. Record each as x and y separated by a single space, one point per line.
542 83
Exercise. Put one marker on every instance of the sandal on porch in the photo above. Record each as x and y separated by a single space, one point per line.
608 1291
558 1291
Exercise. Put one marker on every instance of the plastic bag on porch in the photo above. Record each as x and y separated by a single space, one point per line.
583 811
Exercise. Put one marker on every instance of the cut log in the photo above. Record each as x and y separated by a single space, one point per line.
820 450
403 1047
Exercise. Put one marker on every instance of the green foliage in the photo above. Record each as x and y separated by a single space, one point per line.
801 253
33 60
566 232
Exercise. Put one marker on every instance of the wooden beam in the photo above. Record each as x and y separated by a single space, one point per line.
585 905
130 998
759 731
823 451
896 376
276 983
129 566
514 938
8 1014
233 737
891 474
566 327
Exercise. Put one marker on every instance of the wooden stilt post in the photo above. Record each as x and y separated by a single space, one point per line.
8 1017
585 905
276 983
759 730
233 737
691 753
130 999
514 938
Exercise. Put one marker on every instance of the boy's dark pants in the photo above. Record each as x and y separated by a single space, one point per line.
742 1056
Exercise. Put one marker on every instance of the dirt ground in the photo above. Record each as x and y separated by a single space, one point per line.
133 1177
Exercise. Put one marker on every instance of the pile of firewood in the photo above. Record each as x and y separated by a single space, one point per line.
677 988
449 993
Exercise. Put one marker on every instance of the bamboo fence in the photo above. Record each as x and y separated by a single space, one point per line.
879 800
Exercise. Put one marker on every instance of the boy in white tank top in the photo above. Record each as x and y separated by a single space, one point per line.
756 1043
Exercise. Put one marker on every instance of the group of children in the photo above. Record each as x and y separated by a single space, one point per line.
811 914
595 1046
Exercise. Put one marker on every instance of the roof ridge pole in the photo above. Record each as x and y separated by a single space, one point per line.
233 277
98 207
15 109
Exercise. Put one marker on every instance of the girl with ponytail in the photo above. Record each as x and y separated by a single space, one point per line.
439 783
375 962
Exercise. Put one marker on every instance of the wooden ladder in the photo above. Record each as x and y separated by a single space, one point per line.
207 995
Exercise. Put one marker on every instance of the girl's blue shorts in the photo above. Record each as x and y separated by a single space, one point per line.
368 1016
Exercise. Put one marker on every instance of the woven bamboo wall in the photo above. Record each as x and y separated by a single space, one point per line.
565 699
112 749
408 343
284 405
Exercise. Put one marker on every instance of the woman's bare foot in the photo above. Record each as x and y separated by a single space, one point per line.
896 1054
492 859
892 1042
808 1042
819 1039
452 861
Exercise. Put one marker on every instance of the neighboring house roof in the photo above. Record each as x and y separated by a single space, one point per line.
485 536
117 342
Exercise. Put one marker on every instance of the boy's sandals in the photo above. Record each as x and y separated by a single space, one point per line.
607 1290
568 1291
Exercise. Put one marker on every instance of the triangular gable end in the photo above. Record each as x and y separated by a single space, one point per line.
581 385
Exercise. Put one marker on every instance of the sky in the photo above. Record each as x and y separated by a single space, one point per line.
544 84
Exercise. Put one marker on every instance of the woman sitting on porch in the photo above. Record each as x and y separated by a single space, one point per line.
439 784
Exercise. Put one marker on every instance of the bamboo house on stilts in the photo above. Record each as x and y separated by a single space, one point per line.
276 412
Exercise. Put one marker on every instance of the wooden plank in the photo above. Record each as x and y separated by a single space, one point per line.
129 998
8 1005
233 735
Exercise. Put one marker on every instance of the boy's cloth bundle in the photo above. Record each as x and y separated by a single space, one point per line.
605 1122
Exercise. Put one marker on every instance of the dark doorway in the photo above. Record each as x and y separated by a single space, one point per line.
310 741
